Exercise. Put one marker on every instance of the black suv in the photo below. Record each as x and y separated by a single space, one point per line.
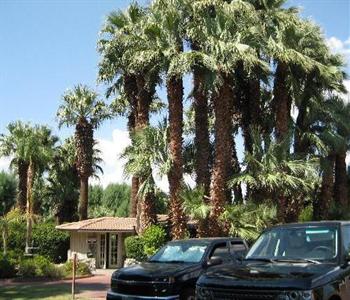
308 261
173 271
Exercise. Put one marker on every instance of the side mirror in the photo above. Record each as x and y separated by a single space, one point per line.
213 261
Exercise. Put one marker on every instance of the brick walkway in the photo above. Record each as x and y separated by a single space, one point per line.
94 287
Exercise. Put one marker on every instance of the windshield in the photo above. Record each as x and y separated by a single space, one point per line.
297 243
182 251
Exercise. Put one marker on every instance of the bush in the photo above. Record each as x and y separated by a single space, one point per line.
7 267
27 268
81 270
134 248
306 214
153 238
39 266
51 242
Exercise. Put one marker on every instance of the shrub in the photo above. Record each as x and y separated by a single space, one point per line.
134 248
81 270
51 242
7 267
306 214
39 266
153 238
27 268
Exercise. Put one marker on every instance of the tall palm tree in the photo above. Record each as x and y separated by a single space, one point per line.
136 76
165 31
82 109
39 153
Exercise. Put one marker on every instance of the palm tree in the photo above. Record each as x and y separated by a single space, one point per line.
165 31
223 48
82 109
39 153
15 145
136 76
149 151
278 177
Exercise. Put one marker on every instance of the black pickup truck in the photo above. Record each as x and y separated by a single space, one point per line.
173 271
307 261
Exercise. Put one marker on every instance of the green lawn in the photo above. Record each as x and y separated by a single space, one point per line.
36 291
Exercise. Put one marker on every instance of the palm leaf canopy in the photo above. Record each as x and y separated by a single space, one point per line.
82 103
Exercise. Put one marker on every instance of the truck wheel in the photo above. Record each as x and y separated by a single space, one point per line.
188 294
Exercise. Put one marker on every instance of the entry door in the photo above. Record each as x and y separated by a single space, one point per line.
103 251
113 250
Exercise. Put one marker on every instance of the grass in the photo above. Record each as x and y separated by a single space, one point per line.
36 291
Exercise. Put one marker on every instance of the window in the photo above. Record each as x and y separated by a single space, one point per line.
222 251
238 249
346 239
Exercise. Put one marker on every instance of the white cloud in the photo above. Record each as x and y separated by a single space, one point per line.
113 165
346 96
338 46
5 163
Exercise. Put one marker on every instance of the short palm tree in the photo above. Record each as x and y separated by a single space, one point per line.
82 109
15 145
149 151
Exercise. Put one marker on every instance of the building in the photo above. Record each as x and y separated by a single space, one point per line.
101 239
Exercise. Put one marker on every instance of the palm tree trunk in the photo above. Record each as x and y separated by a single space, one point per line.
340 183
147 213
223 143
22 184
175 98
130 87
282 103
323 202
83 199
29 212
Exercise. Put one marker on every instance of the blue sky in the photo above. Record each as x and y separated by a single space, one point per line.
47 46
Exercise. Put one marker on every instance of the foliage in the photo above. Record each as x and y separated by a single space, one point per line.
39 266
7 192
51 242
306 215
134 248
249 220
82 268
153 238
193 203
7 267
269 171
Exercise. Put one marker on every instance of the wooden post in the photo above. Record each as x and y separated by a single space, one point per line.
73 275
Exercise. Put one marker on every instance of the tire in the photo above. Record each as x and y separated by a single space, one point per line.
188 294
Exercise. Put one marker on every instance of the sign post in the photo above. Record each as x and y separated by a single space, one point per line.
73 275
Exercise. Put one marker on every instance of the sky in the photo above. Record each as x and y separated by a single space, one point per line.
48 46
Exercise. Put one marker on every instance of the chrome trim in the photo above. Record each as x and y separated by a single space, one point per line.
124 296
127 282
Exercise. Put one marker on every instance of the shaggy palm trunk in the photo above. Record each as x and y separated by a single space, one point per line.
282 103
22 184
282 107
300 145
29 212
340 183
175 98
146 213
130 87
83 198
323 202
223 143
84 141
201 140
